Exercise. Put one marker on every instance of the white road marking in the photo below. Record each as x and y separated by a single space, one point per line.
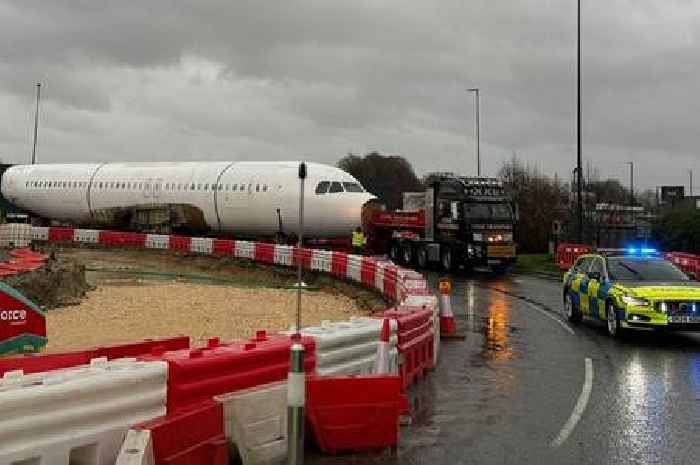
550 316
579 408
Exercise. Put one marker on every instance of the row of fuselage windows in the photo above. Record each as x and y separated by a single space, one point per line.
139 186
333 187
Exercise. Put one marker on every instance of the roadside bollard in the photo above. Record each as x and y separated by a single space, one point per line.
448 326
381 362
296 395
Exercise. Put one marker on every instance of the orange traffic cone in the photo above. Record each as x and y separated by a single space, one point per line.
381 362
448 326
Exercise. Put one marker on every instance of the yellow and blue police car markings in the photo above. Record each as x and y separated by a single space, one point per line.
583 296
603 293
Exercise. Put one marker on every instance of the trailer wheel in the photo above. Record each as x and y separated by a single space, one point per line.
395 252
407 253
422 257
447 259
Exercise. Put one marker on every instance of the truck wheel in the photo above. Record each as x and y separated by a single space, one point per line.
407 254
446 259
394 252
422 258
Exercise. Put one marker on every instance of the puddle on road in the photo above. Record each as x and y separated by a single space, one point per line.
498 344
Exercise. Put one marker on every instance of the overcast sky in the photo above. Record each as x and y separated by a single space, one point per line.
315 79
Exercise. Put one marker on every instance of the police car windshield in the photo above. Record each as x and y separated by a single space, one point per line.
643 269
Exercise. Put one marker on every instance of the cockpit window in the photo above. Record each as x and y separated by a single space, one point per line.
335 187
322 187
352 187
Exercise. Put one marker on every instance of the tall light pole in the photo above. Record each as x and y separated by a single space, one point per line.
476 109
631 163
578 125
690 173
36 120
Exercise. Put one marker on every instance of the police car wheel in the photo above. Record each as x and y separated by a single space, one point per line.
613 324
571 312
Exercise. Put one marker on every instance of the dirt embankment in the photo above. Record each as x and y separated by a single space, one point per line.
61 282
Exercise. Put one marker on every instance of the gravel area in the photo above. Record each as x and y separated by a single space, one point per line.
127 312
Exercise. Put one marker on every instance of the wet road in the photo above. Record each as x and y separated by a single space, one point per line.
518 389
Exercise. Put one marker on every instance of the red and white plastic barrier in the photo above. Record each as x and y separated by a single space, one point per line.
238 373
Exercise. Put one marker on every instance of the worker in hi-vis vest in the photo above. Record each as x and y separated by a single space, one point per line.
358 241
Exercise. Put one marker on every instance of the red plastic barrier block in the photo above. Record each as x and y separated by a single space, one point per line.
145 347
354 413
61 234
190 437
264 252
415 341
201 373
368 270
304 255
390 278
37 363
224 247
339 264
180 243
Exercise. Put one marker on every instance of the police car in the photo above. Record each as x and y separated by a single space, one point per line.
633 289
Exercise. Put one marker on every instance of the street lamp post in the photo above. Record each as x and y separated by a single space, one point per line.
578 124
36 120
631 163
476 110
690 173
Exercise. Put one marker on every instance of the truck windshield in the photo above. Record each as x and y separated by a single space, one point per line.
493 211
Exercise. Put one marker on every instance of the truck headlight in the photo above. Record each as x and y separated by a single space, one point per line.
635 301
478 237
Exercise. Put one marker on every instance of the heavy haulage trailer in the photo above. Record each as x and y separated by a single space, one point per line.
457 221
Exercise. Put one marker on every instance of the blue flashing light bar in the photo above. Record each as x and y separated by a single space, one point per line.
641 251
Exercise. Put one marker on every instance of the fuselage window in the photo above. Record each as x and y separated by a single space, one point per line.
199 187
179 186
100 185
128 185
228 186
335 187
257 188
264 187
192 186
206 187
123 185
322 187
250 187
140 185
234 187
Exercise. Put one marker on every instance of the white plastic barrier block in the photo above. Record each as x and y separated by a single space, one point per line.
321 260
350 347
354 268
379 276
86 236
137 448
40 233
256 421
16 235
245 249
157 241
284 255
77 415
203 245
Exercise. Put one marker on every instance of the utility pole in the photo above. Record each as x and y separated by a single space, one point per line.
578 125
478 153
36 120
631 163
